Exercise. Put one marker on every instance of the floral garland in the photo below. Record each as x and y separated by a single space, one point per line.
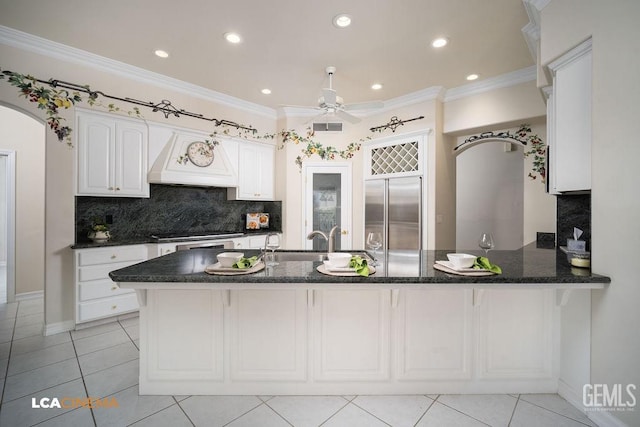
51 100
313 147
538 149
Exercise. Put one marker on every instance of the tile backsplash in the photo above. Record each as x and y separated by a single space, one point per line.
171 209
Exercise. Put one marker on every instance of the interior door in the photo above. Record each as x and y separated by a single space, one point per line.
327 203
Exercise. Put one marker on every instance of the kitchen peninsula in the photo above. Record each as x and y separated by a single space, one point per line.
406 329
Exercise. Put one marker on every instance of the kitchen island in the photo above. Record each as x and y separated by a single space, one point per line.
406 329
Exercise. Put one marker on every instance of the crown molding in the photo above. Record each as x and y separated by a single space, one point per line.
505 80
41 46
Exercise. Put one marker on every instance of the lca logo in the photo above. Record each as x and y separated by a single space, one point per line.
601 397
73 402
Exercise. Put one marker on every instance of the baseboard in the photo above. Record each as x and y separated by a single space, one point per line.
59 327
29 295
600 418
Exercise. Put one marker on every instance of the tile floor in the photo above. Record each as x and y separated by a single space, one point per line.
102 361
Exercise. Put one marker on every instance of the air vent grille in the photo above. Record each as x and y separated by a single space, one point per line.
327 127
395 158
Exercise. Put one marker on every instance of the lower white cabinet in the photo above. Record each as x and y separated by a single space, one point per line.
348 341
433 334
351 331
96 295
515 334
268 335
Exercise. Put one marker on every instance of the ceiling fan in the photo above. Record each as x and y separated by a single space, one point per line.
333 105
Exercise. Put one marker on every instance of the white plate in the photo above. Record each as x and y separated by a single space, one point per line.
450 265
351 272
329 267
217 268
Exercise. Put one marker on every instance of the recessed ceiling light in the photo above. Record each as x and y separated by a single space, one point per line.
232 37
472 76
376 86
161 53
266 91
439 42
342 21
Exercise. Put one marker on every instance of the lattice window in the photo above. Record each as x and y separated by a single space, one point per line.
395 158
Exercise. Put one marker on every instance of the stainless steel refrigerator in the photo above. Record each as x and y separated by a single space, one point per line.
393 207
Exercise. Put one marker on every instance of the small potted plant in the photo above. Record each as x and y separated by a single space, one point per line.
99 231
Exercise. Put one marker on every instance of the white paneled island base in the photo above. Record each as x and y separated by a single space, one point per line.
344 340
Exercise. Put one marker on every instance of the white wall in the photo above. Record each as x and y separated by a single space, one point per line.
25 136
3 210
615 204
490 195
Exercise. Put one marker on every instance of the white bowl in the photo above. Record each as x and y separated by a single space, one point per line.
461 260
227 259
339 259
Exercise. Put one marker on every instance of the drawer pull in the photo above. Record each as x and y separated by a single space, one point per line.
113 288
114 256
117 188
113 307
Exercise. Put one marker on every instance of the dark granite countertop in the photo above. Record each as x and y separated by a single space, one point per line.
146 240
526 266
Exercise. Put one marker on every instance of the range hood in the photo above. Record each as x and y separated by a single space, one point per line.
221 173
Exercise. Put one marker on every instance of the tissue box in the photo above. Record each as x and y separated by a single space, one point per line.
576 245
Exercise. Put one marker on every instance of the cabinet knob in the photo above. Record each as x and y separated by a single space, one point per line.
113 288
345 232
113 307
117 188
256 194
110 188
114 256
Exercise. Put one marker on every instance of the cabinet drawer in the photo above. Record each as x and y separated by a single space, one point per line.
98 272
107 307
100 289
112 255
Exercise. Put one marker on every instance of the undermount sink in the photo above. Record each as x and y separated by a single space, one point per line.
308 256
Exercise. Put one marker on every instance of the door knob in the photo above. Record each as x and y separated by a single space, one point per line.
345 232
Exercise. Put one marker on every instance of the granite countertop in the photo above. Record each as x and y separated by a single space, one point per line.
525 266
147 240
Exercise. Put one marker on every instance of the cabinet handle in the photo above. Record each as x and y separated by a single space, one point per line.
113 288
114 256
113 307
345 232
117 188
256 194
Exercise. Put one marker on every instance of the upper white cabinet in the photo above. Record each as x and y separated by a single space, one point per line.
569 121
112 156
255 172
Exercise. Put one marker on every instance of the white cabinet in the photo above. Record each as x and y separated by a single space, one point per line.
97 296
516 333
570 121
112 156
351 335
252 242
255 172
433 339
268 335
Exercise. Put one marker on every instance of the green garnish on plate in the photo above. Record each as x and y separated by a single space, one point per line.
245 263
484 263
360 265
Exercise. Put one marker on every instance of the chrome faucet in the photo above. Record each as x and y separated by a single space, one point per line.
330 239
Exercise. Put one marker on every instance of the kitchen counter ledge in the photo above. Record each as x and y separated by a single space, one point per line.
525 267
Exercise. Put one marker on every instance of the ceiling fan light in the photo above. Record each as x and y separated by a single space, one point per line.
376 86
161 53
266 91
342 20
472 77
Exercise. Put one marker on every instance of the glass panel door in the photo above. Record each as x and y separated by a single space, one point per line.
327 204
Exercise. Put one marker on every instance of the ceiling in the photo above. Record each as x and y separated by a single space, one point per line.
287 44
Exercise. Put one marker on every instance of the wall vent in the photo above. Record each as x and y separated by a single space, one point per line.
327 127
